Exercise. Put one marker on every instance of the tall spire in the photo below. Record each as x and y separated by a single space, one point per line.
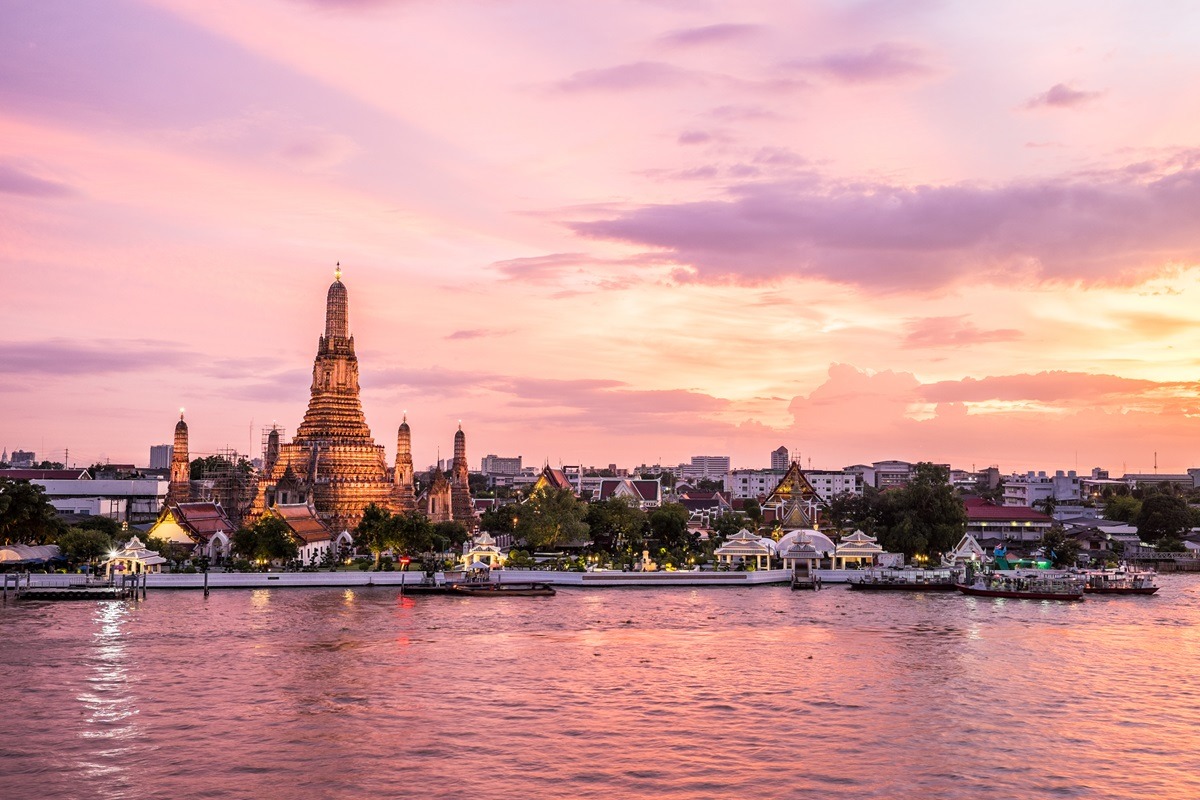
402 477
179 490
337 314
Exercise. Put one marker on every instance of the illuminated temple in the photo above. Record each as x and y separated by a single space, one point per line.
333 463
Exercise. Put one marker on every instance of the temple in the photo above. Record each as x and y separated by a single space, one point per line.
179 490
332 462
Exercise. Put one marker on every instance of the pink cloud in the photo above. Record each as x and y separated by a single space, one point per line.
1061 96
853 414
710 34
15 181
1103 229
625 77
953 332
887 61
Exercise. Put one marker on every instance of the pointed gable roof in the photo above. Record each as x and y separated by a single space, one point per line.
198 521
795 498
302 521
553 479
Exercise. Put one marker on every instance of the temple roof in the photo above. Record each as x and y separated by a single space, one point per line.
303 522
202 520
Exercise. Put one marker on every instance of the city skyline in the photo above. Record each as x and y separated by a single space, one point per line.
625 234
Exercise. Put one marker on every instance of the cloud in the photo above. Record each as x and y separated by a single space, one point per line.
1061 96
695 137
101 357
887 61
710 34
953 332
624 77
15 181
1050 419
479 333
1103 228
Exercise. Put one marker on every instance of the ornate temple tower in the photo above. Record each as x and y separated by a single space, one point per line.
438 503
461 506
332 455
272 455
403 497
181 469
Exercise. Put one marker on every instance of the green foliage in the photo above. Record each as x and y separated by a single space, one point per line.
1163 516
498 520
1122 508
724 526
106 525
268 539
200 468
710 485
80 545
519 559
26 516
668 526
925 517
849 511
614 523
1062 550
404 534
444 536
753 512
551 518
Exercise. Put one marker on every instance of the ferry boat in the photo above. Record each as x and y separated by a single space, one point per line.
905 580
1025 587
503 589
1120 581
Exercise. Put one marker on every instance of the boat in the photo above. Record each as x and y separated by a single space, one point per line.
503 589
1120 581
905 580
1025 587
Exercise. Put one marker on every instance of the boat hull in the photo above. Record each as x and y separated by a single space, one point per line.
1016 594
1121 590
505 590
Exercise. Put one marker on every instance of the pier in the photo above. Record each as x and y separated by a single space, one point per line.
73 587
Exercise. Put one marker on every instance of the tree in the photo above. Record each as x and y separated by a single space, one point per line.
724 526
106 525
1122 508
1163 516
498 520
268 539
26 516
710 485
669 525
926 516
374 531
753 512
615 523
550 518
1046 505
1062 550
449 535
84 545
845 511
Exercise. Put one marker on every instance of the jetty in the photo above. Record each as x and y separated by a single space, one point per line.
73 587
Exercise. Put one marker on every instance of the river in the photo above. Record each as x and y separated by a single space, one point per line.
605 693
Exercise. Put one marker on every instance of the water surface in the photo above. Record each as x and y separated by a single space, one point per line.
753 692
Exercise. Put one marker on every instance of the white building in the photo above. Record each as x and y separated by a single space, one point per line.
780 459
160 456
711 467
499 465
745 483
124 501
1025 490
831 484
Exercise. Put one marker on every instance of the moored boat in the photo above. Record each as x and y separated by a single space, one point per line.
905 580
1025 587
503 589
1121 581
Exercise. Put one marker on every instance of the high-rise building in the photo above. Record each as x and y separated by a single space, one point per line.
497 465
779 459
711 467
160 456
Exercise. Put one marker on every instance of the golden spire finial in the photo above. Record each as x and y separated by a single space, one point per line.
337 272
181 413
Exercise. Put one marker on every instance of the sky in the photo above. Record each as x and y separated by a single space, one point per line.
623 232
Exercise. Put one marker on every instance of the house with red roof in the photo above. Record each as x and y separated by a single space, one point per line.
647 494
986 520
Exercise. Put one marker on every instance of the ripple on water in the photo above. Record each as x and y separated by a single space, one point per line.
749 693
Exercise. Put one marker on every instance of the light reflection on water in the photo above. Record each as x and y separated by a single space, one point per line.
680 693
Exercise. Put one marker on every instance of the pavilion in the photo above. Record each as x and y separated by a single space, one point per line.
484 550
134 559
743 546
859 549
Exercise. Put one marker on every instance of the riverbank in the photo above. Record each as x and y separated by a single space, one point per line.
599 579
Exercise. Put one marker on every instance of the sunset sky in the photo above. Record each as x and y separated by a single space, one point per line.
608 231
